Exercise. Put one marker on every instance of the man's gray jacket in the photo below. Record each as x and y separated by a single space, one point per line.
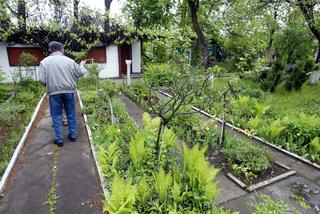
59 73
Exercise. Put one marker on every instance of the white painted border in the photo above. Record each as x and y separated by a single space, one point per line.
93 149
18 149
259 139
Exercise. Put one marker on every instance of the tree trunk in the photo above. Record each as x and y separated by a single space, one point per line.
194 7
272 31
58 9
22 15
107 4
318 52
307 9
76 9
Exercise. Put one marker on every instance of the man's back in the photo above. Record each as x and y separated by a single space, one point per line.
59 73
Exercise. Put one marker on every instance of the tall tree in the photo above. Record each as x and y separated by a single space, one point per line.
20 13
150 13
107 4
309 8
194 8
58 8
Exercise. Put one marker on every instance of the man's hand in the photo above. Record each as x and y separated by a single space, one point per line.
83 62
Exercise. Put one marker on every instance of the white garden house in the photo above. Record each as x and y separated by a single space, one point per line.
112 58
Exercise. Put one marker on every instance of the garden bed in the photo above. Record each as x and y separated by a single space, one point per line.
217 158
15 114
129 162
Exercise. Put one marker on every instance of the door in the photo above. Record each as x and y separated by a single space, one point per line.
124 51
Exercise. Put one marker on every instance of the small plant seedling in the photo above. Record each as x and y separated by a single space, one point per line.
302 201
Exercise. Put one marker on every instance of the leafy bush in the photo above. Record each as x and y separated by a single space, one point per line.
268 206
26 63
299 74
270 79
77 56
247 158
9 112
94 70
159 74
25 97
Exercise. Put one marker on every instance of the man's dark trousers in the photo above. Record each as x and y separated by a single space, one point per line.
69 103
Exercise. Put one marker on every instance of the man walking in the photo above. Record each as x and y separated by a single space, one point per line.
59 73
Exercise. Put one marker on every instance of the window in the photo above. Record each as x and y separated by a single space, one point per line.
15 52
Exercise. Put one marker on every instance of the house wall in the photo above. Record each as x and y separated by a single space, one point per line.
4 60
111 68
136 57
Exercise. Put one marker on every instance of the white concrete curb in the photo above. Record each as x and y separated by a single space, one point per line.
94 151
259 139
18 149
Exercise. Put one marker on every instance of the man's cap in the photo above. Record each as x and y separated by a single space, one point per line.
55 46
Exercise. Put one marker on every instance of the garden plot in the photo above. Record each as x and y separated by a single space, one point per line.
132 166
287 119
279 170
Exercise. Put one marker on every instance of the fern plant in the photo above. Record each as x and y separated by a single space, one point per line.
122 197
108 160
162 184
200 176
137 149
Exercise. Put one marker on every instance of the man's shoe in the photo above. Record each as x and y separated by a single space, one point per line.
60 144
72 139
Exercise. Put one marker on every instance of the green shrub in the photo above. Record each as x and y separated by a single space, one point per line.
24 97
94 70
247 158
9 112
270 79
299 75
159 74
77 56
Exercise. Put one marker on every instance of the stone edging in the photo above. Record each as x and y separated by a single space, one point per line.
19 147
261 140
262 183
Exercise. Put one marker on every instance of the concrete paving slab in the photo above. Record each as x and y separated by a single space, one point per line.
282 190
229 190
78 186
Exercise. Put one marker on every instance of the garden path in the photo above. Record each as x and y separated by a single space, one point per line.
305 182
69 172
